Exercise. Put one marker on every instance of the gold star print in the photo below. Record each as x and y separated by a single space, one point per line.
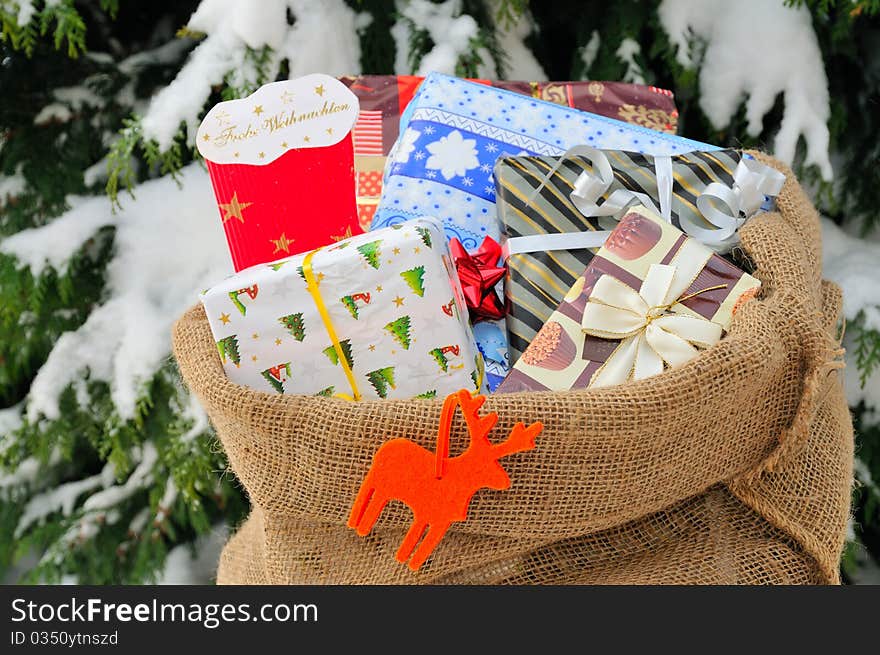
277 342
255 336
282 243
233 208
320 90
222 117
398 301
284 144
320 277
254 357
329 130
396 251
235 154
307 138
372 347
258 110
417 250
206 137
261 155
224 318
379 289
287 97
344 235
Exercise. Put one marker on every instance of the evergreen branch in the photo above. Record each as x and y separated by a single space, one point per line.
186 33
420 44
852 7
509 11
110 7
867 351
236 83
69 26
487 37
122 161
166 496
21 37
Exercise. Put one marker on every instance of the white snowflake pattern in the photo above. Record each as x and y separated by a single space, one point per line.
489 190
488 104
491 147
430 175
467 181
527 116
452 155
406 145
420 155
429 129
486 168
409 196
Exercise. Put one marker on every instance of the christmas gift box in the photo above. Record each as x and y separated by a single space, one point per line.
378 315
383 99
557 211
649 300
282 166
453 131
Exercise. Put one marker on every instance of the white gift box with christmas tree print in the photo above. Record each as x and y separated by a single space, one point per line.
378 315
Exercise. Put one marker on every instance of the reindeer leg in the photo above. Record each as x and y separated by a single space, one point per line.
374 507
360 504
411 539
429 543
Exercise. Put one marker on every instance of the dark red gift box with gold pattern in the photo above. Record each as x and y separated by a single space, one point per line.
282 165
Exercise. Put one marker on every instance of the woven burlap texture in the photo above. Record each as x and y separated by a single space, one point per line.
734 468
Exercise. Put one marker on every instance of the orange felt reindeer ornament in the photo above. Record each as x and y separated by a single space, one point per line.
437 488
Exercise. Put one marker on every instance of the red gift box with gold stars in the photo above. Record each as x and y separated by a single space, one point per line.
281 163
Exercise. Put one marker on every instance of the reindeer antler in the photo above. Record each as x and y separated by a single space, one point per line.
521 438
479 427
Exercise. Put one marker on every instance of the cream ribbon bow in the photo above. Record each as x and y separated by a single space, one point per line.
652 335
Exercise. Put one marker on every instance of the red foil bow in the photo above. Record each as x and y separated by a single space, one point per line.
479 273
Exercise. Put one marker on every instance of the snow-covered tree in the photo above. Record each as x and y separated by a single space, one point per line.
108 469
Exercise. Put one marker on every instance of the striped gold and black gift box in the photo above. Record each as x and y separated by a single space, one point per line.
537 281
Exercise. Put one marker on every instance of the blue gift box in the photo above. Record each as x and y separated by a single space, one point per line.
453 131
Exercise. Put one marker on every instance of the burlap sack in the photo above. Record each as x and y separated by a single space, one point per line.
735 468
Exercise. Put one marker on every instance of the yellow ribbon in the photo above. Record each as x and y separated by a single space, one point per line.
312 286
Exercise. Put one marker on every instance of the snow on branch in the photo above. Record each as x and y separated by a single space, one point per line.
755 50
61 499
451 31
183 99
627 52
10 419
169 245
26 11
520 63
28 471
140 478
234 26
307 47
852 263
